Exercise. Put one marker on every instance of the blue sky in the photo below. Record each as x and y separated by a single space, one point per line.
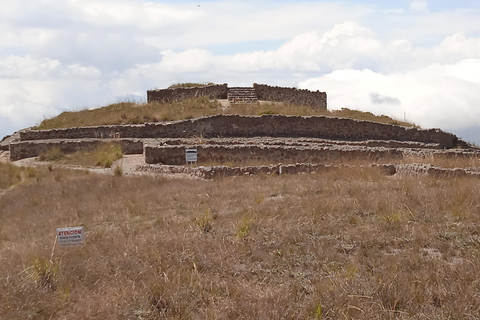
418 59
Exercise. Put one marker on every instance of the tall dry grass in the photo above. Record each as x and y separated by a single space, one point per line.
130 113
340 244
103 156
11 175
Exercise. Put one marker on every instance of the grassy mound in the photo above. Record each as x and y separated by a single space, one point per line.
131 113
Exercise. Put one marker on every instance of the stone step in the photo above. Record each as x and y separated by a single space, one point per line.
240 99
242 95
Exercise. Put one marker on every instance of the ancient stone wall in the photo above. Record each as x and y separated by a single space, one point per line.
253 126
211 172
27 149
175 155
295 142
316 99
168 95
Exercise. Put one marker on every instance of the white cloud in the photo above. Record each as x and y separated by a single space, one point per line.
20 67
28 67
58 54
418 5
435 96
377 98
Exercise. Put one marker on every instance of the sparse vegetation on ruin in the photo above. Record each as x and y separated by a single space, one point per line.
349 243
190 85
131 113
103 156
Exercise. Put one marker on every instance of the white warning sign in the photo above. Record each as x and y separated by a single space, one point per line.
191 155
70 237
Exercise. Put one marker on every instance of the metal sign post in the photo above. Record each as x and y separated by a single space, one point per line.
191 156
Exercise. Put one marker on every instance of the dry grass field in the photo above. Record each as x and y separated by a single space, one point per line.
129 113
348 243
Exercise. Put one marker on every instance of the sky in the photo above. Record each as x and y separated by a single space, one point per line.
414 60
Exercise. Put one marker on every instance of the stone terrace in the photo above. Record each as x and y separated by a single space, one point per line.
260 140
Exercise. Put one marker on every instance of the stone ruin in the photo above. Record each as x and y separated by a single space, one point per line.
270 144
239 95
235 145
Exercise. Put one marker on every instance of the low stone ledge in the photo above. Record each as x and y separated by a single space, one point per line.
421 169
442 154
313 142
7 140
254 126
212 172
175 155
28 149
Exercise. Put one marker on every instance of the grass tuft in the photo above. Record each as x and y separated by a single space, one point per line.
118 171
190 85
44 273
53 154
106 154
9 175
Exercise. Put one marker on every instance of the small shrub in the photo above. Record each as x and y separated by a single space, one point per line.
44 273
30 172
118 171
319 311
105 155
204 222
244 228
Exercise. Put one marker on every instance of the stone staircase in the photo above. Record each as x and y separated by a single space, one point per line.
242 95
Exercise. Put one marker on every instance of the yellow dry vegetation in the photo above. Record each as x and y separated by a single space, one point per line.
133 113
347 243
